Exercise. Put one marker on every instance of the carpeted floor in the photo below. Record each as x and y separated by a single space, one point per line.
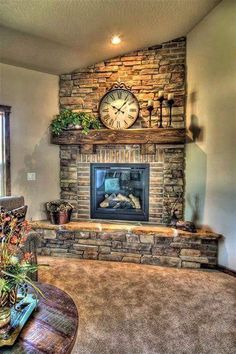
140 309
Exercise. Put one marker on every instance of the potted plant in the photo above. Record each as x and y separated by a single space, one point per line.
68 119
59 211
15 265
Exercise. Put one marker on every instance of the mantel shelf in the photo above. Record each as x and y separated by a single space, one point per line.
128 136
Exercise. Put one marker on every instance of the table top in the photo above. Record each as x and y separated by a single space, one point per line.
51 329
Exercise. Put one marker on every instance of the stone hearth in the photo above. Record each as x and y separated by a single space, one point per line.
129 242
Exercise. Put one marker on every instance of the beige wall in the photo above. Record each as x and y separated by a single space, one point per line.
211 109
34 100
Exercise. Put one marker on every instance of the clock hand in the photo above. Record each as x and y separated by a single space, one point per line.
113 106
122 105
119 109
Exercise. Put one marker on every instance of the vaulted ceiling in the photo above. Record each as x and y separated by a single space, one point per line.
59 36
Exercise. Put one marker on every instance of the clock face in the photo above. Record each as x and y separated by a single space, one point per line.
119 109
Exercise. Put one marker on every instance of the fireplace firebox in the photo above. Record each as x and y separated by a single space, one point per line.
120 191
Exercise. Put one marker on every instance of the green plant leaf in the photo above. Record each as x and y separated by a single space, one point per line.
67 117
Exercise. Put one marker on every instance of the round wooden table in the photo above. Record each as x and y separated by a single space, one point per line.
51 329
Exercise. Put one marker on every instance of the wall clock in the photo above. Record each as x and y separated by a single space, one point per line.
118 108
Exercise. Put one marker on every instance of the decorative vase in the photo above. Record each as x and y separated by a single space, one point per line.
5 317
7 300
60 217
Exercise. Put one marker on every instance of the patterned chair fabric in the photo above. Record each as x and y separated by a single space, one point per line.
15 203
12 202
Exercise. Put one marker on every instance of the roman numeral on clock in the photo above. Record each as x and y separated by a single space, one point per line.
105 110
133 110
106 117
119 94
118 125
111 122
131 117
129 103
112 96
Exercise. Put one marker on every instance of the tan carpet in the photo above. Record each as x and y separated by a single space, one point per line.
139 309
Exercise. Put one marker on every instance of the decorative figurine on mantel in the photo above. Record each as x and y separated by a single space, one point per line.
181 224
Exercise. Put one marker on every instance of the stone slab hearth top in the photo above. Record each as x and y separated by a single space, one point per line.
116 226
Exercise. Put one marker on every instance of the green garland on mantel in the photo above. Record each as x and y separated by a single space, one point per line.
75 120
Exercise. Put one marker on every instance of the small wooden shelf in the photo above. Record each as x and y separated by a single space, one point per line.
147 138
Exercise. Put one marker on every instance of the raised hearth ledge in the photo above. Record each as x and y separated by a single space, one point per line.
128 242
134 228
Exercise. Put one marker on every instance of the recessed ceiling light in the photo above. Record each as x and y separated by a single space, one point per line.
115 40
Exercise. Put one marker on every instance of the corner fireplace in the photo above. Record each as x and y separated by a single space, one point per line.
120 191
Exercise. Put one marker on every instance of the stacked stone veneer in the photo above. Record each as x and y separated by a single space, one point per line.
166 176
146 71
177 251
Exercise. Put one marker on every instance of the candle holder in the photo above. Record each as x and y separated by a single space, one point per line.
150 108
170 104
160 99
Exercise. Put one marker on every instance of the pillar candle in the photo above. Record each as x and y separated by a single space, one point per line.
170 96
150 103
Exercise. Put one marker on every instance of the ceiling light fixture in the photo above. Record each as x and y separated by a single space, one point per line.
115 40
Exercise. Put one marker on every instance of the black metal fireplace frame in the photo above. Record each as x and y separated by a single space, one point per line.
124 214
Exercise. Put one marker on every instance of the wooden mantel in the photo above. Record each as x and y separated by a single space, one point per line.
147 138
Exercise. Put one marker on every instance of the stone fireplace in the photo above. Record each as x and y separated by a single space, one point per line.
161 150
166 177
146 71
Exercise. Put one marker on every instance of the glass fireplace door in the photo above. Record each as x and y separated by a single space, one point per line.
119 191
